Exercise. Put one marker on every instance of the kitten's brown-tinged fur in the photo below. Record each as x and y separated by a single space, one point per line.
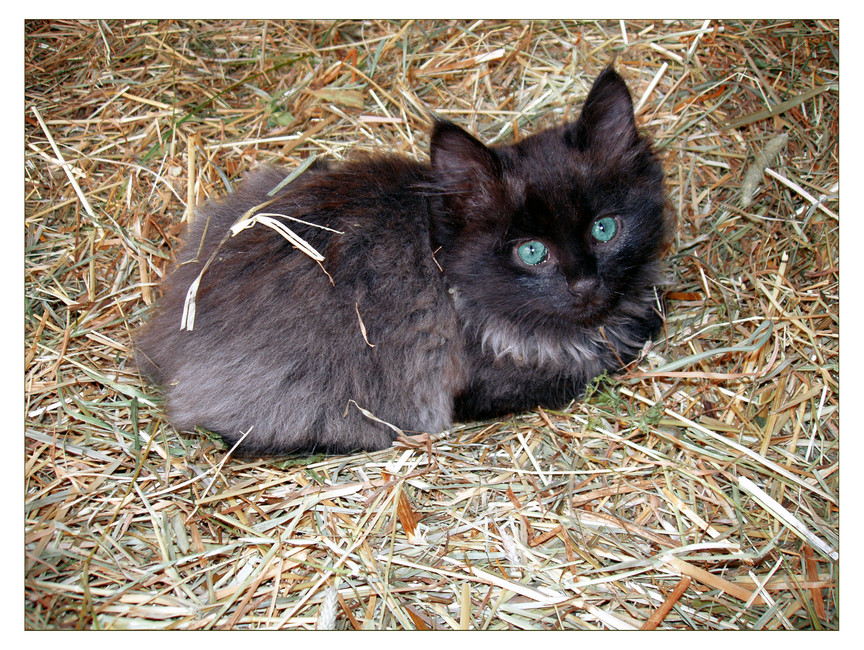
488 281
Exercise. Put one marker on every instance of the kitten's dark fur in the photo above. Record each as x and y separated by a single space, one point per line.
431 261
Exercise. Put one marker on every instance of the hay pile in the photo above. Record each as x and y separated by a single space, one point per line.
699 491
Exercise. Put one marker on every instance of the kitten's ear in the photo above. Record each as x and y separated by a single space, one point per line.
607 123
466 171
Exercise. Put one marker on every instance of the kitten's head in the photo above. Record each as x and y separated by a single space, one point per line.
558 233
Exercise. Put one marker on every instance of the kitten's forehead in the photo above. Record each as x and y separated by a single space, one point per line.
548 172
545 161
552 215
543 175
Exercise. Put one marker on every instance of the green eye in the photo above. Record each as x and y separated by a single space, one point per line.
604 229
532 252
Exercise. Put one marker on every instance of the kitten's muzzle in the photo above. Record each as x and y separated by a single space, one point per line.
588 300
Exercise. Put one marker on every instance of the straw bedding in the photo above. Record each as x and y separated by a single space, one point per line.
699 490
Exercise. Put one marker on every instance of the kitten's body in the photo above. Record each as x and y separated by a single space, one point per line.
427 308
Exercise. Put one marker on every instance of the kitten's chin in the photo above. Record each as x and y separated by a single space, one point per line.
583 311
583 317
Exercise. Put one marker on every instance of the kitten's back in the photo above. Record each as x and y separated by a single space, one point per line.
289 350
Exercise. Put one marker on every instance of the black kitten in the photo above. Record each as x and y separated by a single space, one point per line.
490 281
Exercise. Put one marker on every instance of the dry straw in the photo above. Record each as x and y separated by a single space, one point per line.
699 491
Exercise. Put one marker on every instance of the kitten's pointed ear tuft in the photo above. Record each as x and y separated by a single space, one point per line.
466 171
607 123
455 151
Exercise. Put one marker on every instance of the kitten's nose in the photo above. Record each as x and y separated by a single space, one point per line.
584 288
585 292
